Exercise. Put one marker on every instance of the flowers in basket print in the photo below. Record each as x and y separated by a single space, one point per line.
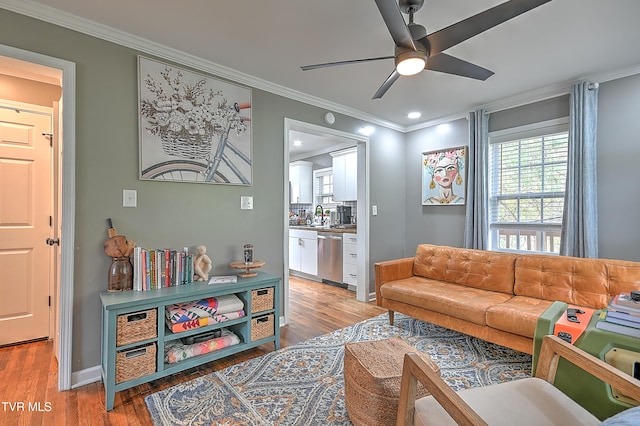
441 170
203 135
183 110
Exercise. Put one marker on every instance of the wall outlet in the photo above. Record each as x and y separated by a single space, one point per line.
129 198
374 210
246 202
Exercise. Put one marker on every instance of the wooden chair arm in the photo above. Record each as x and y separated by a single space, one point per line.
415 369
553 348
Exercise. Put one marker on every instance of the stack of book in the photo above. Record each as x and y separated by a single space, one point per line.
623 316
160 268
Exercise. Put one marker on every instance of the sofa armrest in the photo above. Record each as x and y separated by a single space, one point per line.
392 270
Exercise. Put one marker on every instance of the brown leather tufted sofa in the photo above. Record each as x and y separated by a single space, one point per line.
495 296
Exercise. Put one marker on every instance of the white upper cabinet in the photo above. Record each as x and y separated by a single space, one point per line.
301 179
345 172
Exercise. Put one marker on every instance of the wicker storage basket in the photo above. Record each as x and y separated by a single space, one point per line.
135 362
136 327
262 327
261 300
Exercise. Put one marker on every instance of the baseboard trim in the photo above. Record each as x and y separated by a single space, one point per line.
86 376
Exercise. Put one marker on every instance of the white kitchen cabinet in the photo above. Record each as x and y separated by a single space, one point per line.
301 179
303 251
350 259
345 175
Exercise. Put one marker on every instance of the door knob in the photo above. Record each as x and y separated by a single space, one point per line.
53 241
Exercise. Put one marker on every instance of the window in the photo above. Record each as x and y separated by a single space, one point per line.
323 188
528 170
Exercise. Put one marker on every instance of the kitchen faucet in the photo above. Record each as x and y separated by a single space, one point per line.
321 213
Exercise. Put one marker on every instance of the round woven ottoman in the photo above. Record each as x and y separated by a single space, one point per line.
372 376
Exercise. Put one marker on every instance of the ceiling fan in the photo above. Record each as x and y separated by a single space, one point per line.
415 50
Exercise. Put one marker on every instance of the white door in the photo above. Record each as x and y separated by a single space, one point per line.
25 224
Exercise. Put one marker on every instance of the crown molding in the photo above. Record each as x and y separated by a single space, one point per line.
95 29
536 95
85 26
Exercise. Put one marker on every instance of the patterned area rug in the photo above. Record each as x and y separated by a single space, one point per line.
303 384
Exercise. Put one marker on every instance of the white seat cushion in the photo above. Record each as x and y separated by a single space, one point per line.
530 401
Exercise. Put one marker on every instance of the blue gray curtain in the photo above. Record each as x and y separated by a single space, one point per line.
580 218
476 221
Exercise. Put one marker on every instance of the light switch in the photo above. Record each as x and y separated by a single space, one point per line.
374 210
129 198
246 202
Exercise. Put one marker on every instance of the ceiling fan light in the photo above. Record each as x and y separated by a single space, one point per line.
410 62
410 66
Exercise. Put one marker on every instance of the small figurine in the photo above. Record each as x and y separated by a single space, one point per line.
201 264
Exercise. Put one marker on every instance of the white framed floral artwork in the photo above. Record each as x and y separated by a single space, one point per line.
193 127
443 177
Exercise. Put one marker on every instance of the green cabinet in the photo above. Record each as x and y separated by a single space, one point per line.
144 315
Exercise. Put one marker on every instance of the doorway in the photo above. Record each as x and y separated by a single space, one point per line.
30 66
340 139
26 216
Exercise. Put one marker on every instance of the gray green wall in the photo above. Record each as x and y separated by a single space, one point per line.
618 169
432 224
618 172
181 214
176 214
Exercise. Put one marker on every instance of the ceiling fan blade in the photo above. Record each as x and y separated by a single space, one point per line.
386 85
396 25
333 64
450 36
451 65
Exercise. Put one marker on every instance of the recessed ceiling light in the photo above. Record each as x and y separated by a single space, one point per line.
297 143
366 130
413 115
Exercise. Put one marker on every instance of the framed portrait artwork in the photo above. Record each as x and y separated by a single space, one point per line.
193 127
443 177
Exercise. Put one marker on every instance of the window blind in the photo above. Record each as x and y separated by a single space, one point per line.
526 186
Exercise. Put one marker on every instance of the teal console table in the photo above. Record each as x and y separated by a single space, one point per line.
148 308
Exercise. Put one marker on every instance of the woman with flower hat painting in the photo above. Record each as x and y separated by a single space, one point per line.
445 168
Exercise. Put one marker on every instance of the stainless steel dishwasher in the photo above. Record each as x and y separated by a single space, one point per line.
330 256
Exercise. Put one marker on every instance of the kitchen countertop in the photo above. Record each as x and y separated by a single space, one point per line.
323 229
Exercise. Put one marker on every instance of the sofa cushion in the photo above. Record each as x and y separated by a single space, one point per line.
518 315
471 268
467 303
579 281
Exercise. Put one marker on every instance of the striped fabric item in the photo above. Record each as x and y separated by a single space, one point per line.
201 322
204 308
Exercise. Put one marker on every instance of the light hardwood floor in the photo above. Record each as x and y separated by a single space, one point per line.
29 380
